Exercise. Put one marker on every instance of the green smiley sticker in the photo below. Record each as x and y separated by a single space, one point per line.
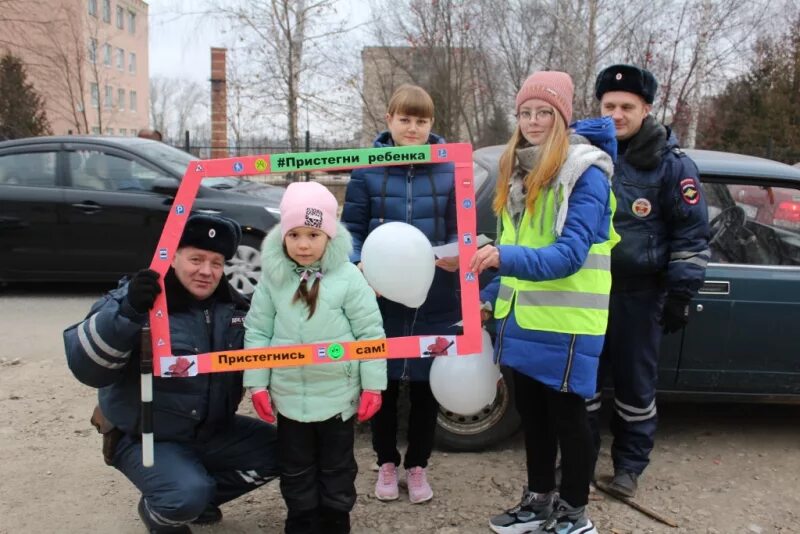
335 351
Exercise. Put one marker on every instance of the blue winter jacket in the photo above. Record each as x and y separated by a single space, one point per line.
103 352
661 215
540 354
423 196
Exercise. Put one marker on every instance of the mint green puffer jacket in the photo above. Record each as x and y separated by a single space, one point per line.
346 311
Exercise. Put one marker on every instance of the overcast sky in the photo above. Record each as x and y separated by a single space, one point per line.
180 40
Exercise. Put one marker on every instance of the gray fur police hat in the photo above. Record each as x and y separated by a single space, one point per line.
212 232
628 78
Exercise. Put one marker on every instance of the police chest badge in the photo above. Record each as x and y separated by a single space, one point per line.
641 207
689 191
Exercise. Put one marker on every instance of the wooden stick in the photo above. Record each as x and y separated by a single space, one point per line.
603 486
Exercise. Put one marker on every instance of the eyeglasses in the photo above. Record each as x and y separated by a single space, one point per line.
541 115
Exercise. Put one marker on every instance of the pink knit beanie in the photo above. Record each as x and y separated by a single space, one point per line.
308 204
553 87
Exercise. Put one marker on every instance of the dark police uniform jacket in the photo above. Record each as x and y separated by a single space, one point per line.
661 215
103 352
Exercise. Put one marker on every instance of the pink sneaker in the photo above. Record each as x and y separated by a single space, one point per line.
386 486
418 488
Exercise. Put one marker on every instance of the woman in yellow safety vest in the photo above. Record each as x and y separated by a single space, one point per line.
550 295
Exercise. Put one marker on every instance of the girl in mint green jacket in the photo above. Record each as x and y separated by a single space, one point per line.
309 293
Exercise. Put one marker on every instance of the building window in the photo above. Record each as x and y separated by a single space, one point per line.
95 130
120 59
106 10
120 17
93 8
121 98
92 50
95 96
123 131
133 101
109 131
131 22
132 63
108 103
107 55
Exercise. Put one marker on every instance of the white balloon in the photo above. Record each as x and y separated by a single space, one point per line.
398 262
466 384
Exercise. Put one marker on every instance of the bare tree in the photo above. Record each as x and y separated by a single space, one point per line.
286 43
436 45
177 105
63 49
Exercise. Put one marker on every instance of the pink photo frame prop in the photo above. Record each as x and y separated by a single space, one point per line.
460 154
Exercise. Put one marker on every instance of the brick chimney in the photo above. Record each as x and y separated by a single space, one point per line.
219 104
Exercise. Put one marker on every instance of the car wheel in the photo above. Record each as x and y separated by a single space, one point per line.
495 423
244 269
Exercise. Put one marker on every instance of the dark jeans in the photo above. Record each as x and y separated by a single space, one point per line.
630 356
318 473
421 425
187 477
551 419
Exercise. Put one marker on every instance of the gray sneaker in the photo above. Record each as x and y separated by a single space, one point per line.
624 482
566 519
532 510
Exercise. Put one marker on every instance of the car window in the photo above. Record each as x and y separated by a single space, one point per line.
33 169
106 172
753 224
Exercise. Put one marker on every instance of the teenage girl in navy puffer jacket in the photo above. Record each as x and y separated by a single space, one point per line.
423 196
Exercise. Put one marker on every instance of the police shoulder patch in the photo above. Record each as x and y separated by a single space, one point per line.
689 191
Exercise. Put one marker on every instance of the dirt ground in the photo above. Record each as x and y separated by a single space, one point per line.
716 468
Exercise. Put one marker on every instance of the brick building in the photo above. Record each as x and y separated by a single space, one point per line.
88 59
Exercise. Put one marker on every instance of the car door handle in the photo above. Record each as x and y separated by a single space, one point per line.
715 287
12 223
88 207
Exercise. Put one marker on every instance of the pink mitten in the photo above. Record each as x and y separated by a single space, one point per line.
369 405
263 405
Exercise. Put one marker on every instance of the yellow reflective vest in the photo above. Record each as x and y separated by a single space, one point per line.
577 304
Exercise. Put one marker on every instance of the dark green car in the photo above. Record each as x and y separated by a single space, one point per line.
741 343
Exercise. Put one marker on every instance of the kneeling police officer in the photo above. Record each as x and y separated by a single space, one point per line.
205 453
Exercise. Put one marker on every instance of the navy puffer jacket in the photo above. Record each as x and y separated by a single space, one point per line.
423 196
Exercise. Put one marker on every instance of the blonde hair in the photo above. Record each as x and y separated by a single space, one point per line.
552 157
411 100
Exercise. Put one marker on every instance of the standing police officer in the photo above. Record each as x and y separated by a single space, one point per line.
205 453
656 268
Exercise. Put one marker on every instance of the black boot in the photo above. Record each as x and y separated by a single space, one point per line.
154 528
624 482
212 514
301 522
333 521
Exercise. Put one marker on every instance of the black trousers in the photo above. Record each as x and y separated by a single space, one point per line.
318 473
551 419
421 425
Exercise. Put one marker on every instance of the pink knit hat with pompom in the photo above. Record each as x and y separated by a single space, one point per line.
308 204
553 87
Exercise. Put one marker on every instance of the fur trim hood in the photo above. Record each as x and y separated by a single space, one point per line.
280 269
580 157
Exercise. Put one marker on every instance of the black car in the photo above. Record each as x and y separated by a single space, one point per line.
740 343
78 208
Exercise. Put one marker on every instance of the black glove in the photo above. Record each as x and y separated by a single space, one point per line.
676 312
143 290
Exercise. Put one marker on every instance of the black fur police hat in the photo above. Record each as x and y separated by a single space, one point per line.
626 78
212 232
